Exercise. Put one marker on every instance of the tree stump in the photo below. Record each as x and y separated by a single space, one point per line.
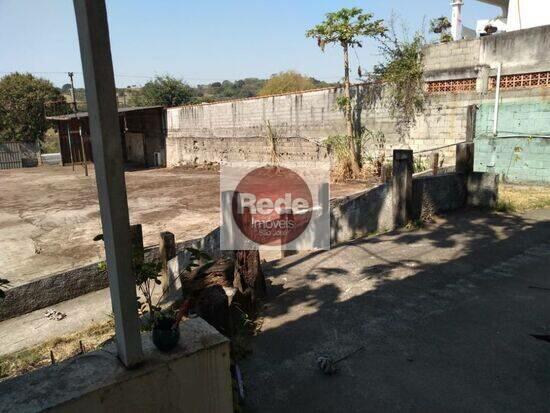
213 306
249 278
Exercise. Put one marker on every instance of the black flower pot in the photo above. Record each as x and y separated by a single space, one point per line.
165 338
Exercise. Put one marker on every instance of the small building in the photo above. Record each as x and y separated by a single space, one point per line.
141 128
514 15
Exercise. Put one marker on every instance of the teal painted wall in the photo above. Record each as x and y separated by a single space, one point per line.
515 153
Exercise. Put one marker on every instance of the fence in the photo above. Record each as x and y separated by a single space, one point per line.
10 155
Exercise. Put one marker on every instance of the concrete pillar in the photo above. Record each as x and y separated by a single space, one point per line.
471 117
465 158
402 186
167 250
95 52
138 252
288 214
456 19
435 163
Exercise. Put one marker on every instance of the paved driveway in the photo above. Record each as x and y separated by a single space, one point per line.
444 314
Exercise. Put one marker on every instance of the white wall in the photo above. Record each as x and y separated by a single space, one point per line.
523 14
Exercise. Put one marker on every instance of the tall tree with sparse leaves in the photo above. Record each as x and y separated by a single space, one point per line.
345 28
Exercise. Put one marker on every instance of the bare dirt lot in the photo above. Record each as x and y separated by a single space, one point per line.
49 215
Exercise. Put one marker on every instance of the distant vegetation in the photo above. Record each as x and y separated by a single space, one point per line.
170 91
289 81
163 90
244 88
26 100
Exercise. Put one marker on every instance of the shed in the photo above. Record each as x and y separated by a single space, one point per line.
141 128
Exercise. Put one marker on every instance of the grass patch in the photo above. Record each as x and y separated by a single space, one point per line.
65 347
519 198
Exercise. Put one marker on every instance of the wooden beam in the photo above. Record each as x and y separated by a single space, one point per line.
97 65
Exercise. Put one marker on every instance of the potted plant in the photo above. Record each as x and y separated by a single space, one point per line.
164 324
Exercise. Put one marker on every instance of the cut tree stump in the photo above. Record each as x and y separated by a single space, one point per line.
249 278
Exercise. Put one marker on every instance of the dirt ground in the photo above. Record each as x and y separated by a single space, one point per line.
49 215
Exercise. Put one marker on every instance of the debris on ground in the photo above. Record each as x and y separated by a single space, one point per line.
328 366
52 314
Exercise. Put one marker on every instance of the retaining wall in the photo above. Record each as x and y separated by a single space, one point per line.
193 377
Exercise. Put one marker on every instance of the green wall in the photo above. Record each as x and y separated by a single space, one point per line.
515 153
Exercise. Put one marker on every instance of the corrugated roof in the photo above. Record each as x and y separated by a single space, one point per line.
80 115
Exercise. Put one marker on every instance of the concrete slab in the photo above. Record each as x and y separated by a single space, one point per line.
34 328
444 314
49 215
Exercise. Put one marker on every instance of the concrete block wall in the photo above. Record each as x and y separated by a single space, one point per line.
185 150
515 153
453 60
202 133
238 130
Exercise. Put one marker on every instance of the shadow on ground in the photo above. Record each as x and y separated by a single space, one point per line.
444 314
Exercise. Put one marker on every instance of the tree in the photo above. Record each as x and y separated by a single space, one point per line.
163 90
346 27
22 106
289 81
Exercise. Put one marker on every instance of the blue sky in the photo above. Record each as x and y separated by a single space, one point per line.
198 41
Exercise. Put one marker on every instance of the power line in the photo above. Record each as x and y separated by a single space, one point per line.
124 75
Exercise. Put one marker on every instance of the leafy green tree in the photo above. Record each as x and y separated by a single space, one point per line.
22 106
163 90
289 81
345 28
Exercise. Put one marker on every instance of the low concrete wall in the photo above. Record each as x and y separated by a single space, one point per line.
351 217
372 211
66 285
440 193
361 214
482 190
52 289
194 377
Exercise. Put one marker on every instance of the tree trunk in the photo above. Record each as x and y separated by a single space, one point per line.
355 156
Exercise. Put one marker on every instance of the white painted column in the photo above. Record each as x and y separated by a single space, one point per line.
456 19
95 51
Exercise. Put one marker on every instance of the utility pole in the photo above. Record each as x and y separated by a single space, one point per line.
75 111
83 150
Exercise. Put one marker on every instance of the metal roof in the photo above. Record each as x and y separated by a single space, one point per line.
80 115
